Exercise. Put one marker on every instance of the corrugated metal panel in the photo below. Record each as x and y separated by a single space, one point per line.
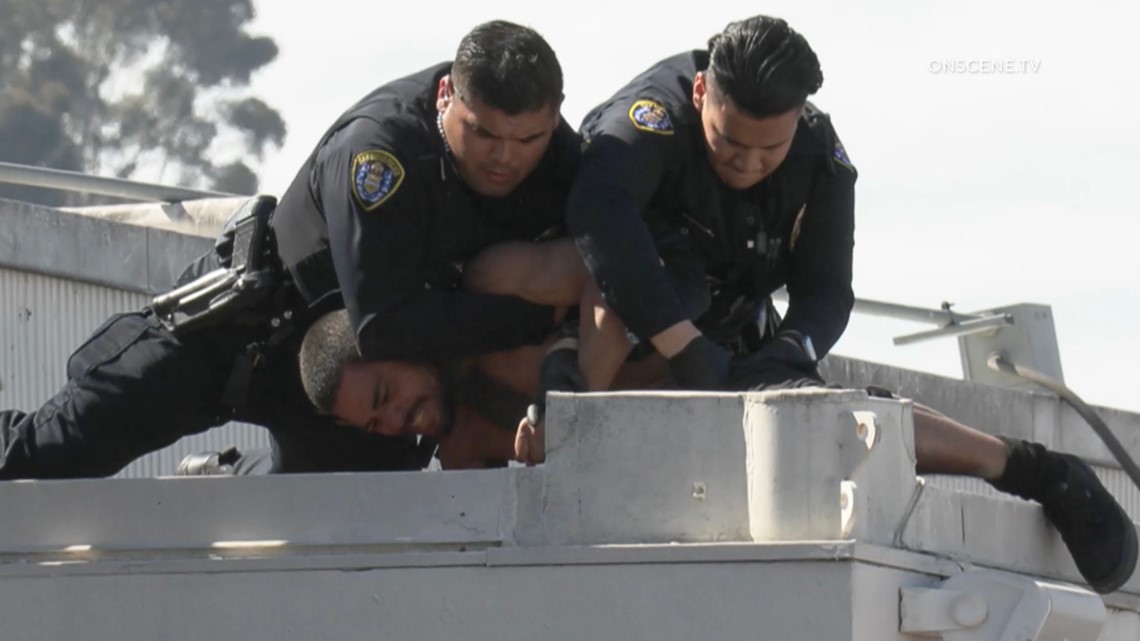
42 320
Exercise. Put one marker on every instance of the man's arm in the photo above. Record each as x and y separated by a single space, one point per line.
373 207
547 273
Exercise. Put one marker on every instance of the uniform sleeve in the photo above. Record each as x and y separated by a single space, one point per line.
820 297
378 246
630 146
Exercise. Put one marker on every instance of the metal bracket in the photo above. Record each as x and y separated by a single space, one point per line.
987 605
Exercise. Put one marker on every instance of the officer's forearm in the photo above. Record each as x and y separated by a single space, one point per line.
440 326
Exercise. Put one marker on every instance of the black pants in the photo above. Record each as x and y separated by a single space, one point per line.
133 388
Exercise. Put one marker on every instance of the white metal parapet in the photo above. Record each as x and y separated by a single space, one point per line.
787 515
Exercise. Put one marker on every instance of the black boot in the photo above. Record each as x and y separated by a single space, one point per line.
1097 531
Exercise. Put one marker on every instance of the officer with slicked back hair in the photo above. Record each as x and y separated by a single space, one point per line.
708 182
715 161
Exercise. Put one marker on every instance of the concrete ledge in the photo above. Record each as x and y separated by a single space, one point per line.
643 467
223 513
93 250
722 475
795 592
1038 416
1003 533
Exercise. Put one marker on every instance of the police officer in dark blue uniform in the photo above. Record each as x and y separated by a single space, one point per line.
708 182
417 178
405 187
751 185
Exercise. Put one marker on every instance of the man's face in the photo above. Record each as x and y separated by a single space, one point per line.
393 398
493 151
742 150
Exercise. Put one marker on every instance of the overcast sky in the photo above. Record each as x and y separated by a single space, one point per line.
1013 180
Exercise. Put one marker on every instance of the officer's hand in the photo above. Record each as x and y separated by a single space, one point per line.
559 373
530 440
702 365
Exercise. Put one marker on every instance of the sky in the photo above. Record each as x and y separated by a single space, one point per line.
996 143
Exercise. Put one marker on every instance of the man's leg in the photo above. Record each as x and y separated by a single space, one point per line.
1097 531
604 340
945 446
603 344
132 388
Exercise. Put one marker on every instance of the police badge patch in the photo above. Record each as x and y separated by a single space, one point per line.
376 175
649 115
841 156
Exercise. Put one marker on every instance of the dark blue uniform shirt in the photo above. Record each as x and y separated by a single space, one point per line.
378 220
645 173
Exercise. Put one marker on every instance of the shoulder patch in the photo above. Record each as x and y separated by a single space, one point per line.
841 156
650 115
376 175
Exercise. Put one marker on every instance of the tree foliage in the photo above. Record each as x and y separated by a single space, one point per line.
155 90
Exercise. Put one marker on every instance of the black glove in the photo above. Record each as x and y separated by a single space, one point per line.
702 365
791 348
559 373
786 361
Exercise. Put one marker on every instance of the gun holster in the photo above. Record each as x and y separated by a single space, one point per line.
248 276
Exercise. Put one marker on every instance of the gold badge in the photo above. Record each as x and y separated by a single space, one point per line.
796 229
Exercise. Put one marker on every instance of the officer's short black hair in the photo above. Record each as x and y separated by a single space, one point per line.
763 66
328 346
508 67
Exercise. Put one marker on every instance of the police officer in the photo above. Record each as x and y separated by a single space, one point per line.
417 178
714 163
719 154
411 182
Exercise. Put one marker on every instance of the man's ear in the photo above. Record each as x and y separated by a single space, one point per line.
700 91
443 94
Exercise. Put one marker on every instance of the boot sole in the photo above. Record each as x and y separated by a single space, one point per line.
1127 565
